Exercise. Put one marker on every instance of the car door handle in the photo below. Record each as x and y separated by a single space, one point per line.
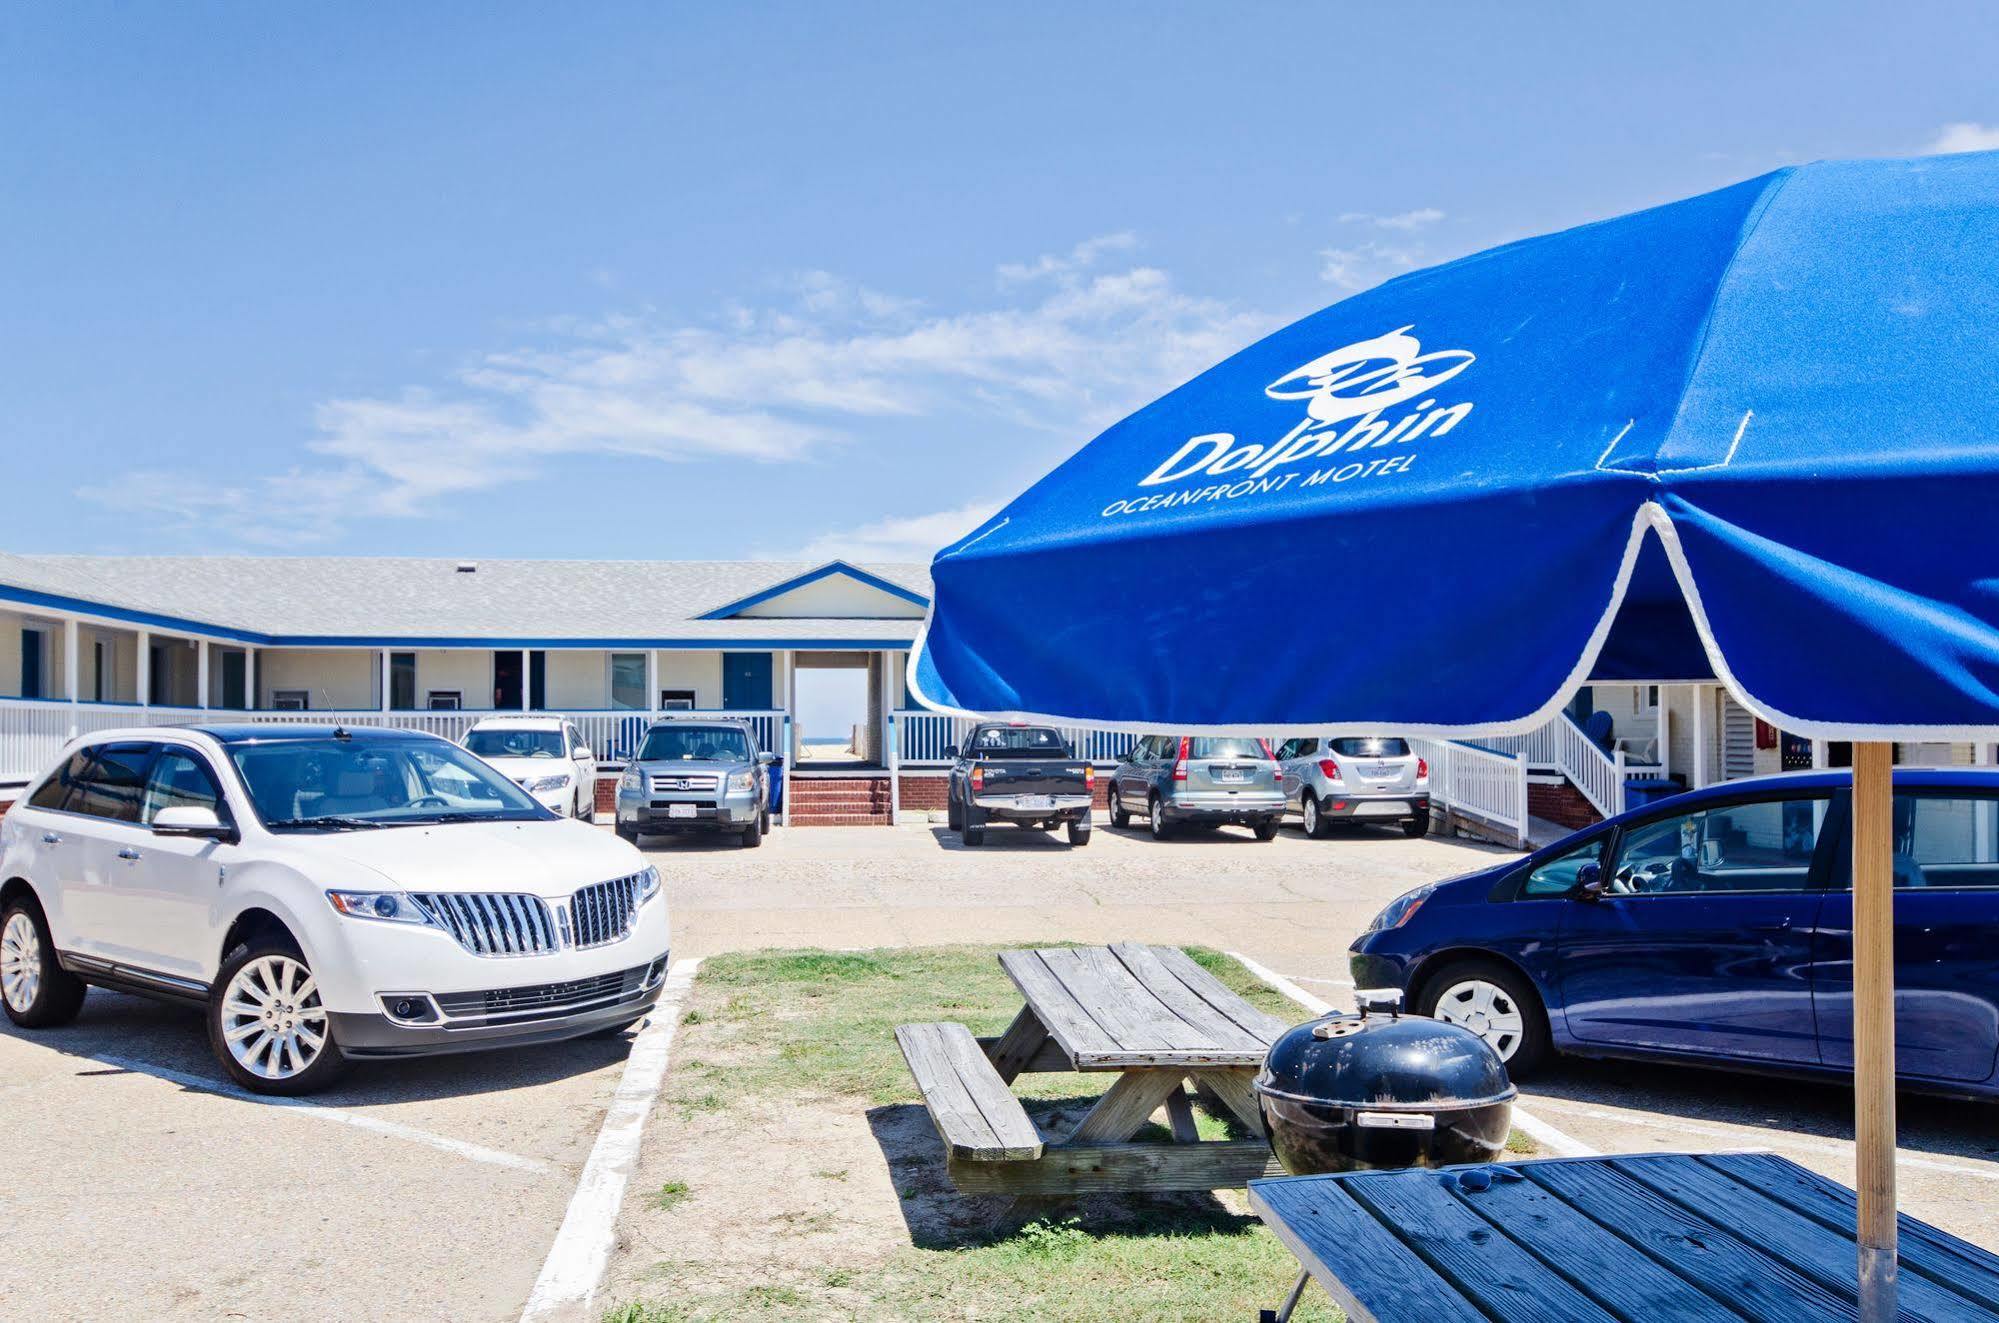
50 838
128 853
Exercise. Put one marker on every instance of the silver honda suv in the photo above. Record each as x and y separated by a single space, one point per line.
1366 778
697 776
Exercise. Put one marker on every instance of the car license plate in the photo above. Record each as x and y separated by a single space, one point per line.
1035 801
1395 810
1378 771
679 810
1230 776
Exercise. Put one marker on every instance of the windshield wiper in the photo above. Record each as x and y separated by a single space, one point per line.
428 819
336 823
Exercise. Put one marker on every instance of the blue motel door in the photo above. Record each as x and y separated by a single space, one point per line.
746 681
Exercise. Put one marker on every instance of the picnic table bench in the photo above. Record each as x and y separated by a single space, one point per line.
1720 1236
1148 1013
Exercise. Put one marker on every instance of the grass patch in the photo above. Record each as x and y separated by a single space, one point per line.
670 1196
784 1025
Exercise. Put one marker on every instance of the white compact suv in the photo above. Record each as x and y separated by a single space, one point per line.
545 756
324 894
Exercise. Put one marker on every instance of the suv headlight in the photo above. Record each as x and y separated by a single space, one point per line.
740 781
388 906
536 785
1399 910
633 779
648 885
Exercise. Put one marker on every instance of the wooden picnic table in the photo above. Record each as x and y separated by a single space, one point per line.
1720 1236
1148 1013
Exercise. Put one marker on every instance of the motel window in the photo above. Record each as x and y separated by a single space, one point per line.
34 660
100 671
628 680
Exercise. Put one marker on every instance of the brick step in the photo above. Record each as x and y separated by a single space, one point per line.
1561 803
838 819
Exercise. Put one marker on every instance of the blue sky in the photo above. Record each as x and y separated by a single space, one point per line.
715 281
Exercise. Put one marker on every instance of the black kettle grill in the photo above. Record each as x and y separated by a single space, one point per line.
1383 1089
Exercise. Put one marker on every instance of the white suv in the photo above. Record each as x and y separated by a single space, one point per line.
545 756
324 894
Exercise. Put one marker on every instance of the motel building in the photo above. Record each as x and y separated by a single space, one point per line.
91 643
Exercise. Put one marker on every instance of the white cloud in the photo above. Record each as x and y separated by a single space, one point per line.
1402 220
1067 348
1964 137
909 537
1366 264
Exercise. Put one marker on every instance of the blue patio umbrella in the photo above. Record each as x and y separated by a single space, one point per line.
1753 434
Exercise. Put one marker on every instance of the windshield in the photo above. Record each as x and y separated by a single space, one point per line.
343 784
1371 747
515 743
702 744
1220 748
1019 742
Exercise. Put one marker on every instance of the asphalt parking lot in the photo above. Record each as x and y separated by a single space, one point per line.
139 1185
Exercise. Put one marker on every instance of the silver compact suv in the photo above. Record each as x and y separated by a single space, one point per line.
697 776
1204 781
1365 778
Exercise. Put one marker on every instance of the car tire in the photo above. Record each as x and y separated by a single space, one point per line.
1417 827
753 835
1155 813
1114 802
1316 824
1267 829
973 835
1455 992
260 1059
586 804
36 990
954 817
1079 833
763 819
628 833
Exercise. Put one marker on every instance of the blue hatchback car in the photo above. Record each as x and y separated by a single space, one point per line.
1715 928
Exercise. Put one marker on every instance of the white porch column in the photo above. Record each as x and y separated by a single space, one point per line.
1697 776
791 724
201 673
142 673
652 681
1664 735
527 674
72 671
1821 753
249 678
385 683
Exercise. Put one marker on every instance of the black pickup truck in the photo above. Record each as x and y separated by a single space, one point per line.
1026 775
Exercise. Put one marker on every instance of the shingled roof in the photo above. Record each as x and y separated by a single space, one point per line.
295 598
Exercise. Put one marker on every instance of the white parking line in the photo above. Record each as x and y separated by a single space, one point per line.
1775 1140
320 1111
1535 1128
582 1250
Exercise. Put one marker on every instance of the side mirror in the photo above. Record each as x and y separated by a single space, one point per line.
951 752
1589 882
584 751
191 820
766 758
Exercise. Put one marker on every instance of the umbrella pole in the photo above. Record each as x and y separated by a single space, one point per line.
1874 1025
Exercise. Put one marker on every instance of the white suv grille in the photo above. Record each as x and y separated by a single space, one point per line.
491 924
603 913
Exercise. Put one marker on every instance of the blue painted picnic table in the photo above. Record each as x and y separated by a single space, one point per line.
1723 1236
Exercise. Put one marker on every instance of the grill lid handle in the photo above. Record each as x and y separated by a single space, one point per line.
1379 999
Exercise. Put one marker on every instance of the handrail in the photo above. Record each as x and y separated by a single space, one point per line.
1478 783
1561 744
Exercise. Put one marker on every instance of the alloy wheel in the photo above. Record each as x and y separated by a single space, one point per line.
1486 1010
1310 814
272 1018
20 962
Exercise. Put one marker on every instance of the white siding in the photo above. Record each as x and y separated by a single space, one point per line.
577 680
334 678
11 623
467 670
699 671
836 597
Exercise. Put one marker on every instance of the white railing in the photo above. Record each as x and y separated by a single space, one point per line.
1479 783
1562 745
33 731
923 737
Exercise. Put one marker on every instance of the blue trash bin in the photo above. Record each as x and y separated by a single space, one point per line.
1642 790
776 774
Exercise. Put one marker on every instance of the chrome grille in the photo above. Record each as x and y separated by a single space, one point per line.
603 913
491 923
672 782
